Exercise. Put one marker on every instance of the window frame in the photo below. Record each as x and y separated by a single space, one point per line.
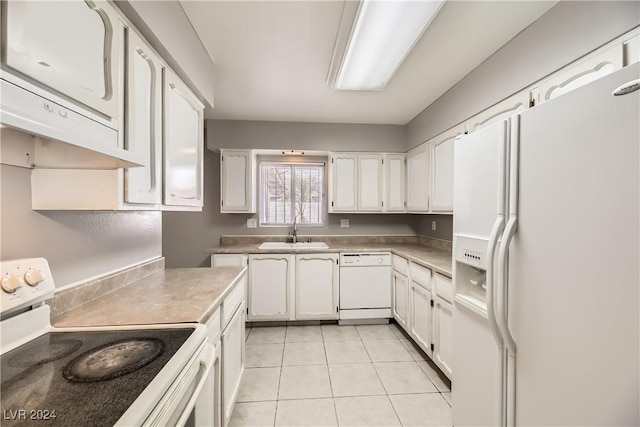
286 160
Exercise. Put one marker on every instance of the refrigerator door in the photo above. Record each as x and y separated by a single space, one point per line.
479 204
574 262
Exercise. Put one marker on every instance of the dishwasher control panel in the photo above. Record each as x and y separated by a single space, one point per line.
365 259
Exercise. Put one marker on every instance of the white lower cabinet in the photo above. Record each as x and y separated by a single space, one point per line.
270 277
400 300
316 286
232 361
420 322
443 335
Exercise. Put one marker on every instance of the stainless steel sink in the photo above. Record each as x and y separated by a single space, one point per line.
298 245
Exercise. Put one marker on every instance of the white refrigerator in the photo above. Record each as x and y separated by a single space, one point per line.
546 271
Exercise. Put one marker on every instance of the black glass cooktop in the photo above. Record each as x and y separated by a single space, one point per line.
82 378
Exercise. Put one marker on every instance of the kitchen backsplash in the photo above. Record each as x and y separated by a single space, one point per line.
70 298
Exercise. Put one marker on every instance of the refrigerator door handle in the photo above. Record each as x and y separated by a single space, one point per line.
501 293
498 226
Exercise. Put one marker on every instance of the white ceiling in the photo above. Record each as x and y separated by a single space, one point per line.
272 58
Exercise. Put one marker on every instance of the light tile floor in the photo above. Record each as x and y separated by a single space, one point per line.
330 375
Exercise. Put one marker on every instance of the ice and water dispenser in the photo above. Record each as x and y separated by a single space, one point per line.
471 272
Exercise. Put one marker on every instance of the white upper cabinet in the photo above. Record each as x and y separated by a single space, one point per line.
370 183
183 144
143 122
418 179
500 111
442 170
394 182
344 185
237 181
73 47
580 74
316 286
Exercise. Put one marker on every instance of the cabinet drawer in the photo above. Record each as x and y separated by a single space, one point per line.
213 327
233 301
420 274
443 287
228 260
401 265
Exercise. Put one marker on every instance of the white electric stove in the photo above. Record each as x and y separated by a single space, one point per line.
127 376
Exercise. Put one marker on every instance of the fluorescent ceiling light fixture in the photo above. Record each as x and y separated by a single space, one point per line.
383 34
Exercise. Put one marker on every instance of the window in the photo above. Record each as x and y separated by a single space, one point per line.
289 190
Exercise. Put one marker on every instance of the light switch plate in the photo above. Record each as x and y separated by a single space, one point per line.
344 223
433 225
252 223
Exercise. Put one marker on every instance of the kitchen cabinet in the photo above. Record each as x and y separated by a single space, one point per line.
418 179
441 148
270 277
233 338
394 183
420 323
72 47
586 71
443 335
500 111
370 183
344 182
400 300
229 260
316 286
143 124
237 181
183 145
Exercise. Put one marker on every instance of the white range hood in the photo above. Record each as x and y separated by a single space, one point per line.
64 136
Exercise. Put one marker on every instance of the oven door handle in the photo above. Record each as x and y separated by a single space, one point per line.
207 360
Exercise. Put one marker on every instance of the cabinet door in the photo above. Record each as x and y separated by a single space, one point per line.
500 111
394 180
237 175
418 179
143 127
317 286
344 182
400 307
580 74
421 321
443 335
269 282
232 361
370 183
183 144
73 47
442 170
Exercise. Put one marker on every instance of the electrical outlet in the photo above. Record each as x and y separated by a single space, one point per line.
344 223
252 223
433 226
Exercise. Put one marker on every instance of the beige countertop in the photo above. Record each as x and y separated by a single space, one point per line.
433 257
180 295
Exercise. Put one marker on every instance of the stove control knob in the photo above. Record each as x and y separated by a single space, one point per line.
33 277
10 283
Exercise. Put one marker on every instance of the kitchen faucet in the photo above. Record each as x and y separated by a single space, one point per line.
294 235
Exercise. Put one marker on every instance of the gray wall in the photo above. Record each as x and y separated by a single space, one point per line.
78 245
166 26
568 31
304 136
187 234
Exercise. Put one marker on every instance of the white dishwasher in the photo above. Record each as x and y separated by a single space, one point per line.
365 286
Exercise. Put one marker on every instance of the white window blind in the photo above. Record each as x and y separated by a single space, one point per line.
289 190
